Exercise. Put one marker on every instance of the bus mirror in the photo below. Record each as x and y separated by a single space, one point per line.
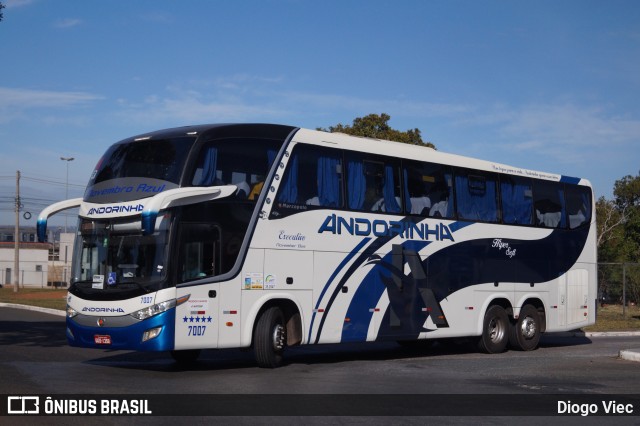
180 197
41 226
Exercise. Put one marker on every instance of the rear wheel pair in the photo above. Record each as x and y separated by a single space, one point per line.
497 330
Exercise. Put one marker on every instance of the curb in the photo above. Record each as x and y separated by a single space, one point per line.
594 334
630 354
34 308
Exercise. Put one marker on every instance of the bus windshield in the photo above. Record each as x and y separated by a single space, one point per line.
138 169
115 260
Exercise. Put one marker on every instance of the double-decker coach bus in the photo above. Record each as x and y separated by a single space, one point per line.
269 236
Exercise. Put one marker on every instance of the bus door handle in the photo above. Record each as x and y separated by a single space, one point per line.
212 293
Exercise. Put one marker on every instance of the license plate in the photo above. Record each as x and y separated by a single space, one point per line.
102 339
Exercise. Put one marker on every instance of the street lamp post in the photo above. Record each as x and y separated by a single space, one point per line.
66 192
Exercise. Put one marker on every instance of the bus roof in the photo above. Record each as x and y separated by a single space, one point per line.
355 143
421 153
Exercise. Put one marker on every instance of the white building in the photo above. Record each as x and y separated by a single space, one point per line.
34 264
41 264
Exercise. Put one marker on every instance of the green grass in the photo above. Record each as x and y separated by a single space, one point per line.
609 317
45 298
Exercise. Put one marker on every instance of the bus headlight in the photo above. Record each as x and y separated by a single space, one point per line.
151 334
71 312
156 309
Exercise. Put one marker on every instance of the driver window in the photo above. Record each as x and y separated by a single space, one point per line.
200 251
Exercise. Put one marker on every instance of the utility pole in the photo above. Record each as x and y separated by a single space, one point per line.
16 238
66 192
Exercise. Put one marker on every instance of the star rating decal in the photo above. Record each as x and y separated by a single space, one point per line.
198 319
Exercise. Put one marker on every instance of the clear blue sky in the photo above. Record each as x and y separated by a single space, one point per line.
545 85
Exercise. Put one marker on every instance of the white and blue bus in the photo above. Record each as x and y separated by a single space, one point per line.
269 236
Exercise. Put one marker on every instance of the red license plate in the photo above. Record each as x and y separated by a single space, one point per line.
102 339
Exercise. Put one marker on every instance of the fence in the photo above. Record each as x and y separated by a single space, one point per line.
35 279
619 284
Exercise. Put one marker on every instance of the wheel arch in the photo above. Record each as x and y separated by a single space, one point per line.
500 300
292 316
537 303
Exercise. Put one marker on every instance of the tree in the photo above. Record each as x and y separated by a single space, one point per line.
1 7
377 126
627 194
619 238
610 219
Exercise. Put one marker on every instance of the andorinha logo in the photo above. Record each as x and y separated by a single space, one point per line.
115 209
94 309
381 228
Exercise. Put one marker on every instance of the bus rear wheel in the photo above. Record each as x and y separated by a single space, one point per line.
524 335
269 338
495 331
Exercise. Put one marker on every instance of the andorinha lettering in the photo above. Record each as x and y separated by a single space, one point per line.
94 309
116 209
381 228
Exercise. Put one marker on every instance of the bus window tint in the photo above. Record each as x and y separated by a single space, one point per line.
373 184
199 251
548 203
240 162
476 196
517 200
313 179
578 205
160 159
427 189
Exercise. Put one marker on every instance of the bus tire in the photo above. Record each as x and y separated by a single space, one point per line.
524 335
185 357
269 338
495 331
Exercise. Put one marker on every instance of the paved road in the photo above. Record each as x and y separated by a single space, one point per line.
34 358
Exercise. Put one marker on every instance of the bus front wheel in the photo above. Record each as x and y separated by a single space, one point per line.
269 338
495 330
525 333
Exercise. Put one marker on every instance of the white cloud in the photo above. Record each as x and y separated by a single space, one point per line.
16 3
67 23
246 97
553 127
14 102
559 135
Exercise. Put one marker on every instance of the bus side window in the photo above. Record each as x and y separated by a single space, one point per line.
313 179
239 162
548 203
373 183
578 205
517 200
476 195
427 189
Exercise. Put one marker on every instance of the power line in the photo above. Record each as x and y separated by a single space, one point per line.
51 182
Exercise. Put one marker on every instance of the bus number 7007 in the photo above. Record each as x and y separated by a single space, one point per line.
197 330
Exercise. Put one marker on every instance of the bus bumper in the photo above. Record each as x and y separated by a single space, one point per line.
125 338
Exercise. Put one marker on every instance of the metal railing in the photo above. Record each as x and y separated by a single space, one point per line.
619 283
34 279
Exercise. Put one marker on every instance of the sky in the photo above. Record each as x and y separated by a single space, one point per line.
546 85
